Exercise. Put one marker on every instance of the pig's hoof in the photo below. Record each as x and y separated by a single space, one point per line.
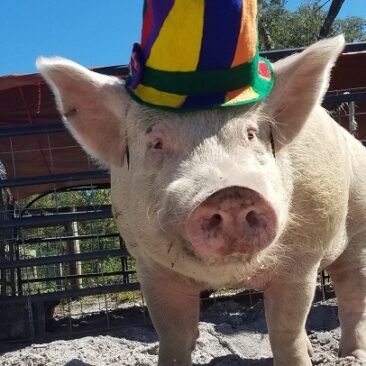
359 354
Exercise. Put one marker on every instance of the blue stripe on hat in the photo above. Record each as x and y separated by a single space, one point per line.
199 101
220 34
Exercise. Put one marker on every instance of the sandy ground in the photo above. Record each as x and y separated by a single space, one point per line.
230 335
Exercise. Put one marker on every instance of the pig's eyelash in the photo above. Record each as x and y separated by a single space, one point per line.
148 212
166 223
160 211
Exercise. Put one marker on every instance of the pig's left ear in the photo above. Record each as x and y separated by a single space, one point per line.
301 82
93 107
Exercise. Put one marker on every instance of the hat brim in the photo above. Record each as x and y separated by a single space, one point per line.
259 88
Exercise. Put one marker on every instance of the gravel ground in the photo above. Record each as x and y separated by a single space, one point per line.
230 335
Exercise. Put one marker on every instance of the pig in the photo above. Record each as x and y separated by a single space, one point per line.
261 197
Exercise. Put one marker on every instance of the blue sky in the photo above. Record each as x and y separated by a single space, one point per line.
91 32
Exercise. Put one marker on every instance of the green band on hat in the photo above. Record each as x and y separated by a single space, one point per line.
200 82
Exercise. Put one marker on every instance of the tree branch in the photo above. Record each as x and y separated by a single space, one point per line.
334 9
266 37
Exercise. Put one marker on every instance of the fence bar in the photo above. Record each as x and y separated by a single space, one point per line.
64 238
118 70
63 258
42 211
57 295
53 178
45 127
56 219
86 275
346 97
277 54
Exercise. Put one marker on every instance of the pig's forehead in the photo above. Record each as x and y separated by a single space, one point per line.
144 116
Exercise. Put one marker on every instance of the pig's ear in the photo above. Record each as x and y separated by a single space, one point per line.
93 107
301 82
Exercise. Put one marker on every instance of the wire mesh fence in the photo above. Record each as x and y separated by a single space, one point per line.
67 268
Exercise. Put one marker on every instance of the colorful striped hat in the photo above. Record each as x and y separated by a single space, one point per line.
199 54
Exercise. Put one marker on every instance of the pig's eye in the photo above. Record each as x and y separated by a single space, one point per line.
251 133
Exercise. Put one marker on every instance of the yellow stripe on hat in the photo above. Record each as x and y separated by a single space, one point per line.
152 95
179 43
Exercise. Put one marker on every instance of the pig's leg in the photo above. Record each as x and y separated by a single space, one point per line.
174 309
287 306
348 274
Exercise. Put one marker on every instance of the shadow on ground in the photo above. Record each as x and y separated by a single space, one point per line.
229 315
76 362
242 313
237 361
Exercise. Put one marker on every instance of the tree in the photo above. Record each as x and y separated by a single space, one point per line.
282 28
352 27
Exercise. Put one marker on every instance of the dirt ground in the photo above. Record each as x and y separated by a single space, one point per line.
231 334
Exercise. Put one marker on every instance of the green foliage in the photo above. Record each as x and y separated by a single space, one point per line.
354 28
281 28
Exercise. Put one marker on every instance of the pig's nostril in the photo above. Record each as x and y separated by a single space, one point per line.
214 222
252 219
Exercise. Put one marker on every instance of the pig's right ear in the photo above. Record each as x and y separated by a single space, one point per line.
301 81
93 107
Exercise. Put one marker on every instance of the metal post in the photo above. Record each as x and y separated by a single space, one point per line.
19 270
73 247
12 257
352 123
124 264
2 244
59 272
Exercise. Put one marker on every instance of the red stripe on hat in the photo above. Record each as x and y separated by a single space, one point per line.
147 24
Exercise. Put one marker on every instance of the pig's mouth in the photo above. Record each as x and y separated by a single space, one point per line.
234 220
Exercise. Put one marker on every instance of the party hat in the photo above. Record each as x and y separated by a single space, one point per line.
199 54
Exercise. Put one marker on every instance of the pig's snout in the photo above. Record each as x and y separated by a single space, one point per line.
232 220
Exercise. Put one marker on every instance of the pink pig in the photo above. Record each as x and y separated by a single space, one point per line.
209 201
